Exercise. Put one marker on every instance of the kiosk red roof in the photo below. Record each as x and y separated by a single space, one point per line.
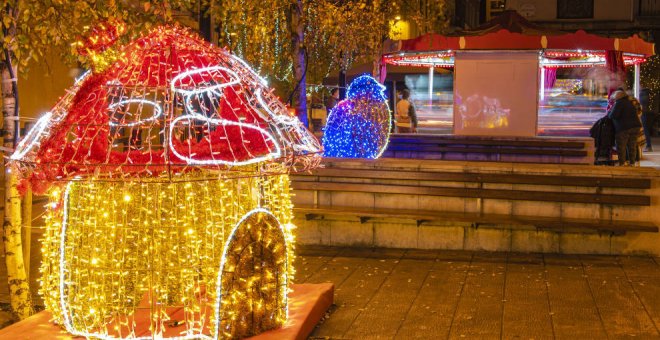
510 31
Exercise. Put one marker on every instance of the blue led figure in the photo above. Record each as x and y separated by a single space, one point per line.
359 126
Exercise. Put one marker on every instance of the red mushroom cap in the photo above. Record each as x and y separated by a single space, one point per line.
173 103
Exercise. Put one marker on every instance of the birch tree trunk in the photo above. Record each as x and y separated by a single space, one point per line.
299 61
19 287
26 221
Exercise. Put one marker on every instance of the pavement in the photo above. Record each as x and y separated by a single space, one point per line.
652 158
415 294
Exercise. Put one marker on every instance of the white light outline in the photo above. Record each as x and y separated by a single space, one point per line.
43 122
223 260
63 305
157 109
222 122
35 135
308 144
260 78
234 80
194 115
82 77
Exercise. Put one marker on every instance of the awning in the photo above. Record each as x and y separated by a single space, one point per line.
510 31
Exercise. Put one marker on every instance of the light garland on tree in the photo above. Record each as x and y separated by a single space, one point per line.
169 213
650 78
359 126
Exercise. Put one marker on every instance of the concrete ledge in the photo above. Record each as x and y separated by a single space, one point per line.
393 232
460 236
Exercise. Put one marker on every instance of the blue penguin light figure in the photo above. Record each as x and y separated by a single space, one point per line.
359 126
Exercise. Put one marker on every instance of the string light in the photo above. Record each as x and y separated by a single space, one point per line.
32 138
109 260
235 117
550 58
650 78
443 59
158 111
359 126
177 225
97 44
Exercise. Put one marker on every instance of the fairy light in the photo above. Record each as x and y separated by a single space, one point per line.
178 84
224 96
32 138
249 224
199 224
224 123
290 125
650 78
155 211
359 126
97 44
158 112
443 59
550 58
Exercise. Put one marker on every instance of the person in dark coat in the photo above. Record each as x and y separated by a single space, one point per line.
627 127
603 134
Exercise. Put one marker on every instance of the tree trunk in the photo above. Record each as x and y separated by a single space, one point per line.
26 219
19 287
299 61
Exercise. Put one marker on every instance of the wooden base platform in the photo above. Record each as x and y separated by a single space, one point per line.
307 305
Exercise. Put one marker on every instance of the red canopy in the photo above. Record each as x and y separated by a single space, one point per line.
510 31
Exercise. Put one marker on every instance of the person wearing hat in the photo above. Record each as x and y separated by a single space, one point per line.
627 127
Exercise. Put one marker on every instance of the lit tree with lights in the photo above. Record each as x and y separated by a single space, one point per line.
293 39
29 30
650 79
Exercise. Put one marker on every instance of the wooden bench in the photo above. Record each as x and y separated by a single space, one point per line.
541 188
516 149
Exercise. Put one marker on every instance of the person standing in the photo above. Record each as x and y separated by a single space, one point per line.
332 101
406 117
627 127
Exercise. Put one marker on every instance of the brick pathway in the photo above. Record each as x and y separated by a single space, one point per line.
413 294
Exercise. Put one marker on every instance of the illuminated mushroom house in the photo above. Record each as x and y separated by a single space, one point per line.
170 214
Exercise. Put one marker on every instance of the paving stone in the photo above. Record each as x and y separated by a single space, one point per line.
640 267
389 307
527 312
353 295
479 310
336 270
433 310
574 312
306 266
602 266
622 312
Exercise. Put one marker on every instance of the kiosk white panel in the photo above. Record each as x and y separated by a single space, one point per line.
496 93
